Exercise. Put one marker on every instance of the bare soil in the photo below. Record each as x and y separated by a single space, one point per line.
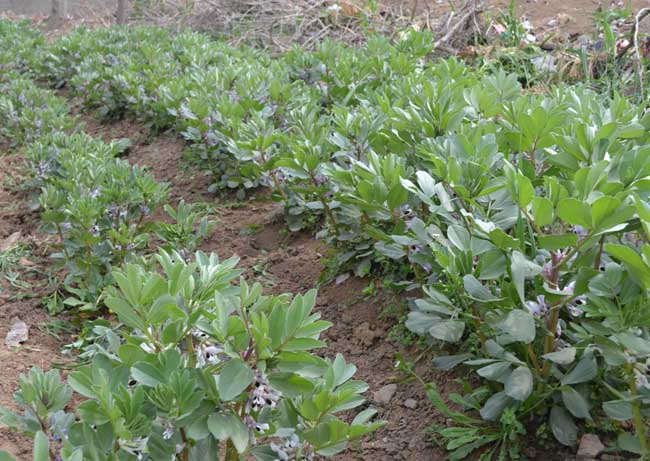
19 224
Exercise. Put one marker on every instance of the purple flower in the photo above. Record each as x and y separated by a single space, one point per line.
580 231
186 113
168 433
537 308
320 179
569 289
262 395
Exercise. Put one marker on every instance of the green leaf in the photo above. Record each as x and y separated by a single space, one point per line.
631 259
608 212
495 405
436 399
226 426
557 242
542 211
639 346
521 268
6 456
447 362
526 191
498 371
563 357
585 370
575 402
630 443
575 212
520 326
620 410
290 384
477 290
234 378
503 240
125 313
459 237
41 447
563 427
448 330
147 374
519 384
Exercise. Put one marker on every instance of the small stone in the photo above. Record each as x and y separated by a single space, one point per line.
18 334
590 448
410 403
385 394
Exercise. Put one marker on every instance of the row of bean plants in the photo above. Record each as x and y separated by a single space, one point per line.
200 365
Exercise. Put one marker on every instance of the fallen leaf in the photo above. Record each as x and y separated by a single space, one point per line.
10 241
18 334
26 262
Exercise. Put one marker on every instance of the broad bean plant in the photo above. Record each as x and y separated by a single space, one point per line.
199 369
522 217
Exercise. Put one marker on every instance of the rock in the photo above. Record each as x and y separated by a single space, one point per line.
590 448
385 394
18 333
410 403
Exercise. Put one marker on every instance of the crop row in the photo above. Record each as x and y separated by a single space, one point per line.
524 217
196 363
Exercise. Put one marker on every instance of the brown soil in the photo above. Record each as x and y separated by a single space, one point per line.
559 17
18 224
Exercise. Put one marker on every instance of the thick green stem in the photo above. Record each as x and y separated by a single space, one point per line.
639 422
549 342
65 250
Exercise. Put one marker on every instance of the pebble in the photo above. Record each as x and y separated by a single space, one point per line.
410 403
590 448
385 394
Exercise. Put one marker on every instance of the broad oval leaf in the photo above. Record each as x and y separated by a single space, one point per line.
234 378
563 427
448 330
519 384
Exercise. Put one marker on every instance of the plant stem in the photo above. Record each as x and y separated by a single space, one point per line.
549 342
600 253
185 455
65 250
639 423
231 452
